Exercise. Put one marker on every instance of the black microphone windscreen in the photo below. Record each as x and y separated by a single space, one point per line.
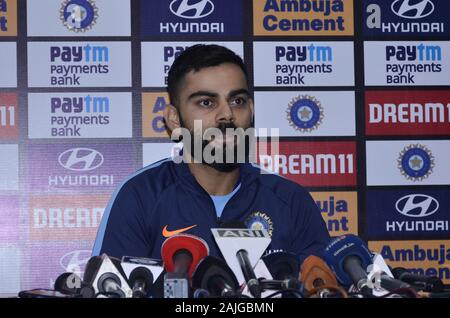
68 283
91 269
142 273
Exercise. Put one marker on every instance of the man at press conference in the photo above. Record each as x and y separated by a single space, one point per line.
208 85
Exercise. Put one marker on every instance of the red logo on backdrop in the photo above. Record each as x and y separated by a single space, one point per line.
312 163
408 113
9 114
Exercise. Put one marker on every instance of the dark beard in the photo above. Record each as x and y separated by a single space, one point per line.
222 166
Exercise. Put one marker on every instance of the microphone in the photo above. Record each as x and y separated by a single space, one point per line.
71 284
142 274
201 293
426 283
380 278
282 265
348 257
141 280
284 268
253 284
214 278
106 276
316 275
181 254
242 248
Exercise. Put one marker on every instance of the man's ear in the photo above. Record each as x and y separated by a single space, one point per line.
171 117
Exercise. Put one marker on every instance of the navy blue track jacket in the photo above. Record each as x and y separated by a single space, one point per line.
166 197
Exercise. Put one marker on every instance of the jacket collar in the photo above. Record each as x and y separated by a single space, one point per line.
247 174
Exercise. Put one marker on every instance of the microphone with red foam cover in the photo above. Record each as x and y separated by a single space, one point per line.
181 253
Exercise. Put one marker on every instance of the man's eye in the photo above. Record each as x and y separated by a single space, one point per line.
206 103
238 101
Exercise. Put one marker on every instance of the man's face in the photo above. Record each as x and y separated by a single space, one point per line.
217 96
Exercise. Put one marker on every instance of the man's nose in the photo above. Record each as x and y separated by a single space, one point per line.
225 113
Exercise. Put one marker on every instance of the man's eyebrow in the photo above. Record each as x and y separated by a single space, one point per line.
238 92
202 93
212 94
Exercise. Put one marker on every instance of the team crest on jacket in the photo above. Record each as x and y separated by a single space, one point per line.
258 221
305 113
79 15
416 162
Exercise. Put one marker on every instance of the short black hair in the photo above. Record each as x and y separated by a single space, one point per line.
195 58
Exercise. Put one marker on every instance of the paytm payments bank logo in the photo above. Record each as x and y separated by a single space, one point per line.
153 105
191 17
78 168
79 64
157 58
407 63
306 113
78 115
303 63
303 17
407 214
9 116
406 17
313 164
431 258
408 113
339 211
8 18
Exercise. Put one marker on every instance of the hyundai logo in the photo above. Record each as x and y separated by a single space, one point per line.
74 261
417 205
409 9
80 159
191 9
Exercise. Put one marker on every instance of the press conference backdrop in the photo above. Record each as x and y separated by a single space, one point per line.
360 92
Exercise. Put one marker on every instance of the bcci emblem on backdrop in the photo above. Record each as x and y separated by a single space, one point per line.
416 162
305 113
79 15
191 9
